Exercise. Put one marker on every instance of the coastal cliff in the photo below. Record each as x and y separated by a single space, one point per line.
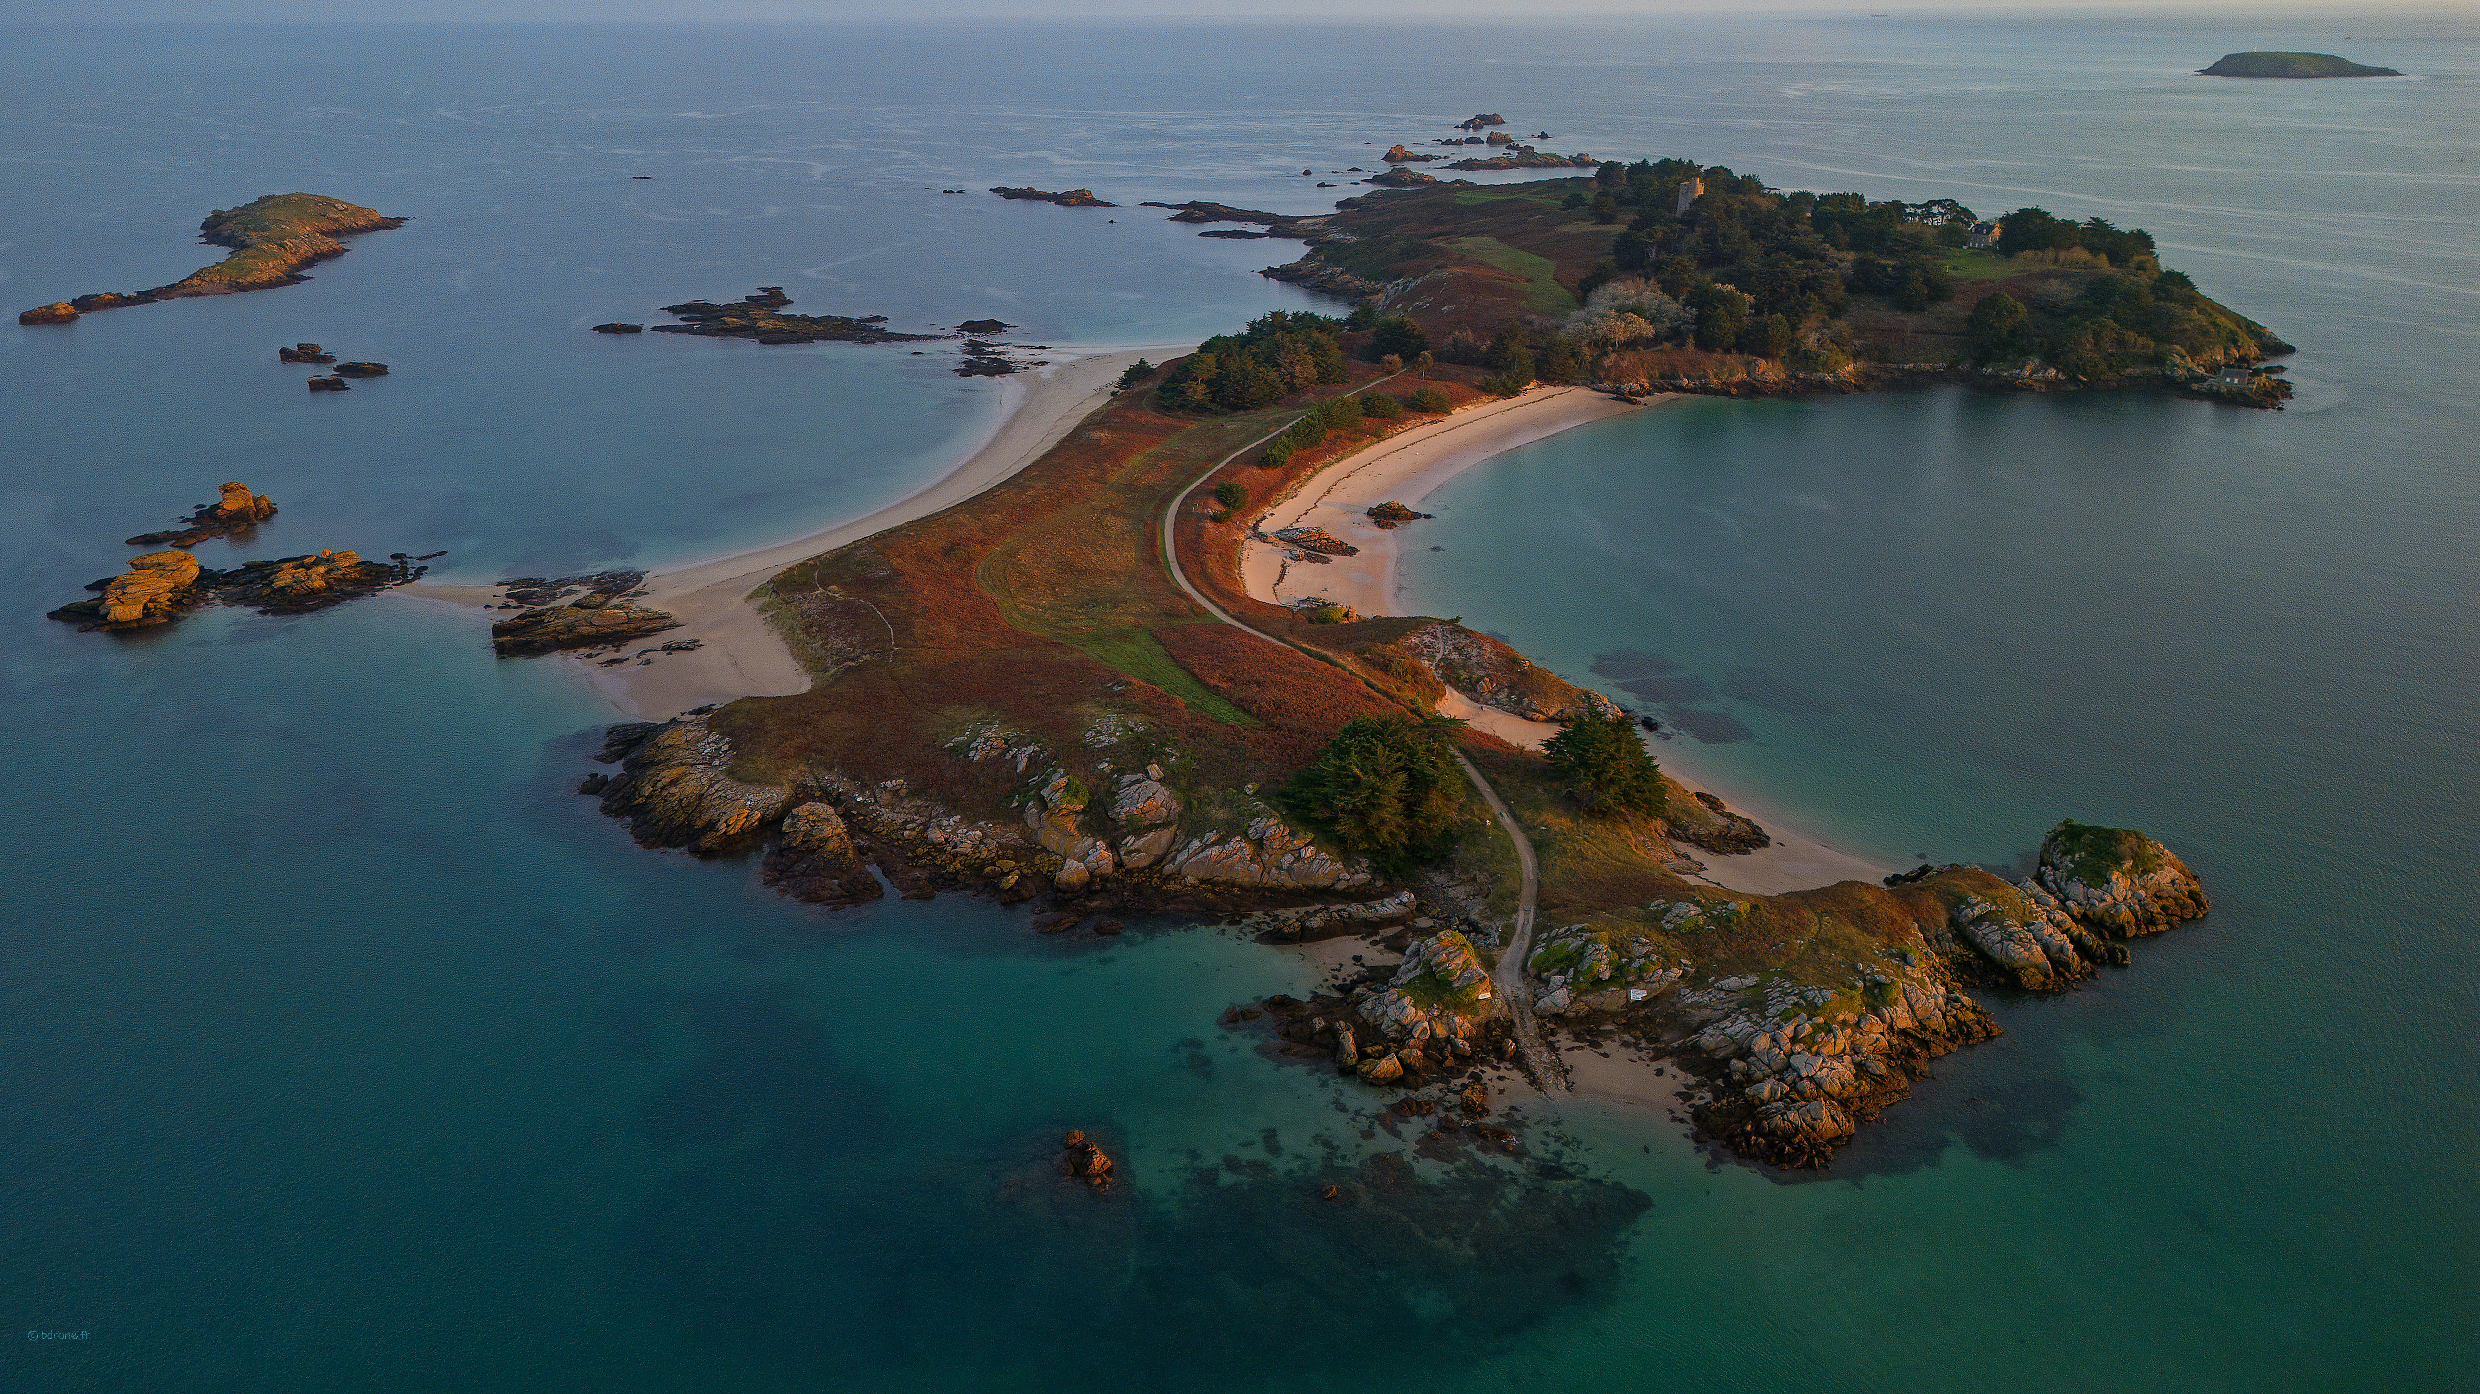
272 239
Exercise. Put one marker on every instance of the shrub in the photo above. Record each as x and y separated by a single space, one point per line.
1381 406
1430 400
1398 335
1605 766
1137 372
1384 787
1232 494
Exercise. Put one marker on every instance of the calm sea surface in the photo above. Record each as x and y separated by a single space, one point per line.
346 1049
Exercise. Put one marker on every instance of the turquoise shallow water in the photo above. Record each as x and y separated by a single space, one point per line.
348 1050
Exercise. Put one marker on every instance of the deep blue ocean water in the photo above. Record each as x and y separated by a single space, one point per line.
346 1049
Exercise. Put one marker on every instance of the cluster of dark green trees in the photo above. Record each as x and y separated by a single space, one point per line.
1278 354
1778 252
1387 789
2123 321
2034 230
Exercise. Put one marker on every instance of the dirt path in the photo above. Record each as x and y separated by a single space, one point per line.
1542 1064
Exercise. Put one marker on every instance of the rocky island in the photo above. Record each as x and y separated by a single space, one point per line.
235 510
2297 65
272 239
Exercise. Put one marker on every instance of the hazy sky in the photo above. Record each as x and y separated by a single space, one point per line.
315 11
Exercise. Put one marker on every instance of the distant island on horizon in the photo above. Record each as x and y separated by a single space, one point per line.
2268 64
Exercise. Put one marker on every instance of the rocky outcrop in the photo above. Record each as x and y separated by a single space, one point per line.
1398 155
1438 999
1054 815
619 327
1526 157
591 622
1391 514
330 384
1325 277
2116 881
361 370
1080 1158
1065 198
1400 178
1485 119
156 589
815 860
1495 675
1269 854
237 510
675 791
1793 1081
304 353
1705 821
272 239
163 586
1582 969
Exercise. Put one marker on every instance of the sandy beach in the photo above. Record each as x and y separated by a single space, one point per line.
1408 466
742 655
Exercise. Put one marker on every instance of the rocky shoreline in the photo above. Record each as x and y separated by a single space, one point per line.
1782 1068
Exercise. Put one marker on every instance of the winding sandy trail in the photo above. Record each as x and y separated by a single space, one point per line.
1541 1064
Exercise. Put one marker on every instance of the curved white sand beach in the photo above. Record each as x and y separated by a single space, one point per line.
743 656
1408 466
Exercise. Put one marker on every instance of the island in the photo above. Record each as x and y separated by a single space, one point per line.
1067 198
272 239
1074 689
2262 64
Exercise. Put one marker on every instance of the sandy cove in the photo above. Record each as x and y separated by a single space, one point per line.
742 655
1408 466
